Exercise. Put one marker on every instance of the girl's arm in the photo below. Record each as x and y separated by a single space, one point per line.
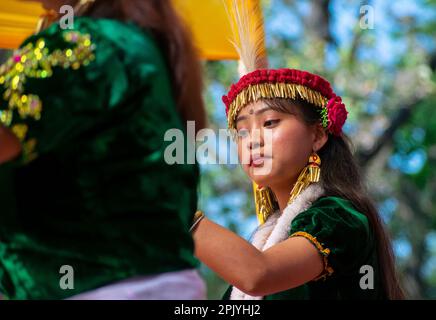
286 265
10 146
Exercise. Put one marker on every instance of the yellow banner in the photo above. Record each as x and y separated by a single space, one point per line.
207 19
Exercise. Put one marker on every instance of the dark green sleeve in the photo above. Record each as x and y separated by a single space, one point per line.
339 232
63 83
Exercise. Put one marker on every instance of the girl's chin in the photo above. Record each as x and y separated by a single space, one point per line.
263 176
261 180
268 180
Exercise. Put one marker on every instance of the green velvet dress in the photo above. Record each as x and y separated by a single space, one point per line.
91 189
345 240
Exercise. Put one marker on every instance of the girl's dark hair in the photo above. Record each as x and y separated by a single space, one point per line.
160 18
340 177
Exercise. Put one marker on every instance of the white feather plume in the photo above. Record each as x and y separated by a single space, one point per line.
248 34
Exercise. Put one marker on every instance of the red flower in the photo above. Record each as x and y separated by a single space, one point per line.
337 114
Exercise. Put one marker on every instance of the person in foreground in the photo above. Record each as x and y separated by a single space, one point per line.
89 207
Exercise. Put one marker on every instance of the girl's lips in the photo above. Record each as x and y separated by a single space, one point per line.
257 161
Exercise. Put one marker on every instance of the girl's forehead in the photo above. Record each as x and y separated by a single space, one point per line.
252 107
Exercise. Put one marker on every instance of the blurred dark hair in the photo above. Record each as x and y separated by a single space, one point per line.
341 177
160 18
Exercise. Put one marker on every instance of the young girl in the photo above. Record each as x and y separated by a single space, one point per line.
322 237
89 207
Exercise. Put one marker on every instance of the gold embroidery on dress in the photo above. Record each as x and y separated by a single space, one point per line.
35 61
324 252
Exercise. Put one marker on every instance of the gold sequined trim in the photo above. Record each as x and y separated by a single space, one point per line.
35 61
256 92
324 252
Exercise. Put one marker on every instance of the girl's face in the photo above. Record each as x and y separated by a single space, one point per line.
273 147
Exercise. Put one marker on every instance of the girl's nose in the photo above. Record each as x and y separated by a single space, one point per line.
256 140
254 145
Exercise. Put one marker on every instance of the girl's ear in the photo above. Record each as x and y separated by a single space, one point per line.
320 137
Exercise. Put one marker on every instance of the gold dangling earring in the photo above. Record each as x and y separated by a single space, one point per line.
314 168
83 6
310 174
265 201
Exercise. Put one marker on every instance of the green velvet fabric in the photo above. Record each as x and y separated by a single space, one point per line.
338 226
99 196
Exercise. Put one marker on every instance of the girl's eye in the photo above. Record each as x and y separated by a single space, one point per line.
242 133
269 123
